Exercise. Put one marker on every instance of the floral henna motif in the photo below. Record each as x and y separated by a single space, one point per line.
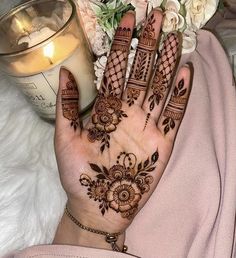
142 65
107 115
166 65
175 108
70 100
108 107
121 187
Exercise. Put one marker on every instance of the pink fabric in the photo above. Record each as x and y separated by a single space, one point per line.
191 214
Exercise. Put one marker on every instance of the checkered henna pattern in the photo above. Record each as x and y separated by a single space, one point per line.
165 67
108 112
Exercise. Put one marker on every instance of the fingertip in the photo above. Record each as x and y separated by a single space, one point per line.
128 20
158 13
184 74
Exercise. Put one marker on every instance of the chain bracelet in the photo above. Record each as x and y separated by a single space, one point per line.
110 238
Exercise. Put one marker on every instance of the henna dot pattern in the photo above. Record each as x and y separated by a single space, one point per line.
70 102
121 187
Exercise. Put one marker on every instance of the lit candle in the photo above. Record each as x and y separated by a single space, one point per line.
49 51
45 36
42 85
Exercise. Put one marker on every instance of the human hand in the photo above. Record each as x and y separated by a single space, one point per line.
110 168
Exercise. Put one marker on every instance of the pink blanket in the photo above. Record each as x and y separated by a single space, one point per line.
192 211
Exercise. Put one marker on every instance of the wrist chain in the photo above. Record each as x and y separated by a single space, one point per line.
110 238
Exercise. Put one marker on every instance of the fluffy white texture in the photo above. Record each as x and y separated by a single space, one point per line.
31 196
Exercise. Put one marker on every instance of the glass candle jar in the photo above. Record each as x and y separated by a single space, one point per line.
37 38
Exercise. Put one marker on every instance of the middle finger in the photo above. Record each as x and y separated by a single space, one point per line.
144 59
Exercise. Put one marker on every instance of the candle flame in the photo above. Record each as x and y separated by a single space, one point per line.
49 50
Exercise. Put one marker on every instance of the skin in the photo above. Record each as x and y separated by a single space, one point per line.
75 150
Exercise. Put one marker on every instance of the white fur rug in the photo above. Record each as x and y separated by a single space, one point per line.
31 196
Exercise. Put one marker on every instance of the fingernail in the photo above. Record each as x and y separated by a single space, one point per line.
131 11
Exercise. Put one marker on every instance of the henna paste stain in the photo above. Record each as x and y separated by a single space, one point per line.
121 187
175 108
141 68
70 102
165 69
108 106
108 114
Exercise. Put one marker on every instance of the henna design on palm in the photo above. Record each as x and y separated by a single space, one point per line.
121 187
70 100
108 108
165 67
175 108
140 71
107 115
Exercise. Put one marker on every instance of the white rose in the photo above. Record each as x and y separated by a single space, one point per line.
189 41
155 3
172 20
140 8
199 12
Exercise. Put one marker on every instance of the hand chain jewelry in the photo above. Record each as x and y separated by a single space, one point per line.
111 238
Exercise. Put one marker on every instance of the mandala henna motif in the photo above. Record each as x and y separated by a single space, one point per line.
70 100
165 68
121 187
108 107
175 108
142 65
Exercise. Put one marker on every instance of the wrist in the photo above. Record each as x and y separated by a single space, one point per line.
68 233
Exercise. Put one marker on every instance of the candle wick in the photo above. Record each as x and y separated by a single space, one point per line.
50 61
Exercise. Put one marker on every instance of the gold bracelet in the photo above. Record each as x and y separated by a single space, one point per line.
110 238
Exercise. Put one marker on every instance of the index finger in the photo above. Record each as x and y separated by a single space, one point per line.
114 74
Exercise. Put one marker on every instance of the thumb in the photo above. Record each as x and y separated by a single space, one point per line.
67 107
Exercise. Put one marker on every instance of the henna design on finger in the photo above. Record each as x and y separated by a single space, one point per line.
108 107
108 114
141 68
121 187
175 108
70 102
116 64
165 67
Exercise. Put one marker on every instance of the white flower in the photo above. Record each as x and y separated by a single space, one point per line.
189 41
172 19
199 12
155 3
99 67
140 8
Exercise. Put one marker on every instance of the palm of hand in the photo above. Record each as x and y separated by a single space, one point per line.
110 168
114 185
